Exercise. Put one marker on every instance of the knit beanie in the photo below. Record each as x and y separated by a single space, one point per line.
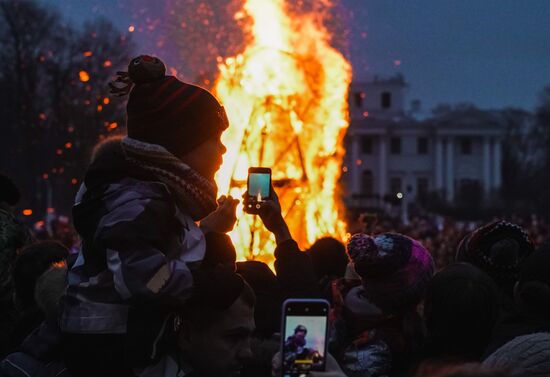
525 355
166 111
499 249
394 269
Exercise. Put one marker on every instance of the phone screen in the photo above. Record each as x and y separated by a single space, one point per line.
259 186
305 337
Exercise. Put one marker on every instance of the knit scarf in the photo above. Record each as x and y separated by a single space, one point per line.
195 195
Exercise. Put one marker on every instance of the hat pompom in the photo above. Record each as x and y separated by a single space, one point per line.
361 247
145 69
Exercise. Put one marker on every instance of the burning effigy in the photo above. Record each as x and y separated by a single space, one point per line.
286 98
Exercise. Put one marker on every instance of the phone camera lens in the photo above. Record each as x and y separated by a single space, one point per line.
257 206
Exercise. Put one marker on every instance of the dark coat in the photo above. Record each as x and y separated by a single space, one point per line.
137 248
39 355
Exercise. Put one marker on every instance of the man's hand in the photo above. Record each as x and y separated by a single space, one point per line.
332 368
223 219
270 213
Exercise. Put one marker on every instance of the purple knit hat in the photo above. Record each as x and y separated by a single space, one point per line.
394 269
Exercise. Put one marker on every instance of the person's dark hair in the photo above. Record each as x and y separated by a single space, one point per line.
533 288
268 296
9 193
32 262
329 258
460 310
215 291
219 250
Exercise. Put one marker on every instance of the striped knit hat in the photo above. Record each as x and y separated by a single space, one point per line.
165 111
499 249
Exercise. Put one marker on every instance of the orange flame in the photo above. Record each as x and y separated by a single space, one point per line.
285 96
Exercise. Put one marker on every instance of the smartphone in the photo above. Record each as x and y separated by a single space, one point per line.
258 187
304 336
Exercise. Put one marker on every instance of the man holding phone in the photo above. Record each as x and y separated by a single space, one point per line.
293 267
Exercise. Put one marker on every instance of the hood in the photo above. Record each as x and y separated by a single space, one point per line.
104 182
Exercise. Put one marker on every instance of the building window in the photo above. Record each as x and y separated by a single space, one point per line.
395 145
466 145
421 187
395 185
366 144
385 100
367 183
422 145
359 96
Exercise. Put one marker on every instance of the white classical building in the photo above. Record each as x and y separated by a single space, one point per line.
391 153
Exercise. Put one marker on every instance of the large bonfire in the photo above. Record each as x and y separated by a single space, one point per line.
286 99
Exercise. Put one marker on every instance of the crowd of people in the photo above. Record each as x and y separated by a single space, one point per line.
155 290
442 234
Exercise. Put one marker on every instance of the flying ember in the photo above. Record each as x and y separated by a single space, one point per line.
286 98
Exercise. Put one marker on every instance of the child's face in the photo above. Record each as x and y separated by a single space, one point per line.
207 157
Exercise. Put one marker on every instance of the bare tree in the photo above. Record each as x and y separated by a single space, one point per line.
53 81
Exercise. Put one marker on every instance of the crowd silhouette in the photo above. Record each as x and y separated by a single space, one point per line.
149 284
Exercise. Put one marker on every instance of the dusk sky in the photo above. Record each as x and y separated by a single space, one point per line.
493 53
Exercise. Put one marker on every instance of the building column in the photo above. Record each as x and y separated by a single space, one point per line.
383 166
497 164
486 165
450 171
438 163
355 169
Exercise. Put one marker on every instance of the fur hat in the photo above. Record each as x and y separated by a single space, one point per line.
166 111
32 262
49 288
394 269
